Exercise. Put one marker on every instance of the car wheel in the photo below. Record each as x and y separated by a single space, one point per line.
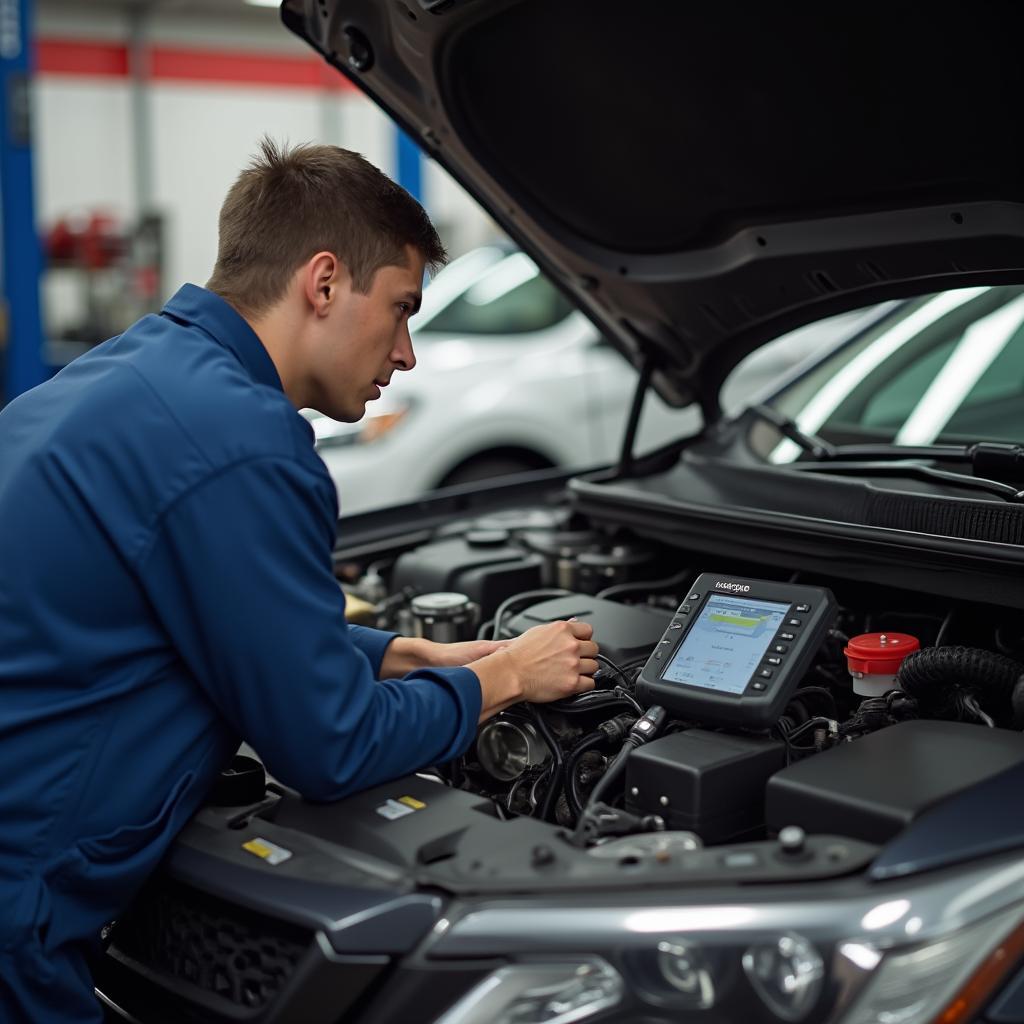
491 464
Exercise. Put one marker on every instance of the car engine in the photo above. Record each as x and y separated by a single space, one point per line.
908 698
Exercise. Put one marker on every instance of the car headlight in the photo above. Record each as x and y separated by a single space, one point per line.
786 972
939 954
374 425
540 993
947 981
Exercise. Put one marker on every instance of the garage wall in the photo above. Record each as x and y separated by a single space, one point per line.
211 93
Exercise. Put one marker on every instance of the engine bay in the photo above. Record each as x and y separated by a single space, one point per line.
902 699
892 743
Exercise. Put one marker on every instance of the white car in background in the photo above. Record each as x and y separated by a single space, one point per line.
509 377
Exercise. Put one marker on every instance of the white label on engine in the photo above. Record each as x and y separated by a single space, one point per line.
267 851
393 809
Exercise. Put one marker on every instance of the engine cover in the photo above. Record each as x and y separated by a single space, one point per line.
625 632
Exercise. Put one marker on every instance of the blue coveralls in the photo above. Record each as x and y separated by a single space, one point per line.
165 590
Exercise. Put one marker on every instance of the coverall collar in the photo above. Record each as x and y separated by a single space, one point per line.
218 318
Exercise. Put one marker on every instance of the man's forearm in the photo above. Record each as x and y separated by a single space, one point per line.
405 654
500 685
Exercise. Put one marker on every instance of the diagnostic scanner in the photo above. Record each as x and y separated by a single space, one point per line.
736 649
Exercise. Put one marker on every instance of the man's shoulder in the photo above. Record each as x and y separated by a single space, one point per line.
190 382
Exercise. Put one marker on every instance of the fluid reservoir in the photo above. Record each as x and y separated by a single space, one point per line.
445 617
874 659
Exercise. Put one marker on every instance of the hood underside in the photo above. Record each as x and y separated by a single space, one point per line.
703 178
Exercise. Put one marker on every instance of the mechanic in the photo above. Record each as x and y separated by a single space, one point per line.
166 530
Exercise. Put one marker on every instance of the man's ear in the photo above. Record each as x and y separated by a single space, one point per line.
322 276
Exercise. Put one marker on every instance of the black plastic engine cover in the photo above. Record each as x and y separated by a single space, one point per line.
624 632
874 787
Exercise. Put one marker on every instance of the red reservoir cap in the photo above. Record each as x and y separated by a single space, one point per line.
879 654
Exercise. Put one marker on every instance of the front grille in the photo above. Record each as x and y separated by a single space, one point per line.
201 942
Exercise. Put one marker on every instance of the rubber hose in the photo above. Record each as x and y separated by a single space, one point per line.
938 678
547 806
572 788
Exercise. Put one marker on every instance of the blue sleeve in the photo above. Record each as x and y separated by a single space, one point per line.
239 572
372 642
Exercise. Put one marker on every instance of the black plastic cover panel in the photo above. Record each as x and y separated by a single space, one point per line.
656 127
873 788
943 540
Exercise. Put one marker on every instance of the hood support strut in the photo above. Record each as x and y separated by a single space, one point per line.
629 440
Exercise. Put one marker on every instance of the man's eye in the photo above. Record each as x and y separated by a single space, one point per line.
405 308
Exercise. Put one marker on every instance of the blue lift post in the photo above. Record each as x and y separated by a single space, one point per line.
410 165
21 258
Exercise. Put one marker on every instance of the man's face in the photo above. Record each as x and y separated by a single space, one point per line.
364 339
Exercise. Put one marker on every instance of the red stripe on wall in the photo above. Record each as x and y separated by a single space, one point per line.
182 64
71 57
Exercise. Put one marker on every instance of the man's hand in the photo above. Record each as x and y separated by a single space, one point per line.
546 663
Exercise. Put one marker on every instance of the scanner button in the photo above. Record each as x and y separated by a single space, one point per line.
694 597
774 660
802 608
794 622
684 609
765 673
787 636
675 625
780 648
758 686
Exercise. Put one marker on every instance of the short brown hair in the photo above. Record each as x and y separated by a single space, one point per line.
289 204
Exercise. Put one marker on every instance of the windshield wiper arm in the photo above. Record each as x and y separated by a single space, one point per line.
911 468
988 459
816 447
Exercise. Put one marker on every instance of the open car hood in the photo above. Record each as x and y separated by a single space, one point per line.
704 178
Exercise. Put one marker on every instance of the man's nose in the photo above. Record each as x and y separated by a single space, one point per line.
403 356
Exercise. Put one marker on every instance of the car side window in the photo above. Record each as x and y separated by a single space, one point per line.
512 297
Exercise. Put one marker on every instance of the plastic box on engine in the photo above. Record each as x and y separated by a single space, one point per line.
713 783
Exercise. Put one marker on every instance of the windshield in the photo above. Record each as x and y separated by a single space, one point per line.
942 368
498 296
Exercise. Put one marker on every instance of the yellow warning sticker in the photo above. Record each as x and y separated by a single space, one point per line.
411 801
266 850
